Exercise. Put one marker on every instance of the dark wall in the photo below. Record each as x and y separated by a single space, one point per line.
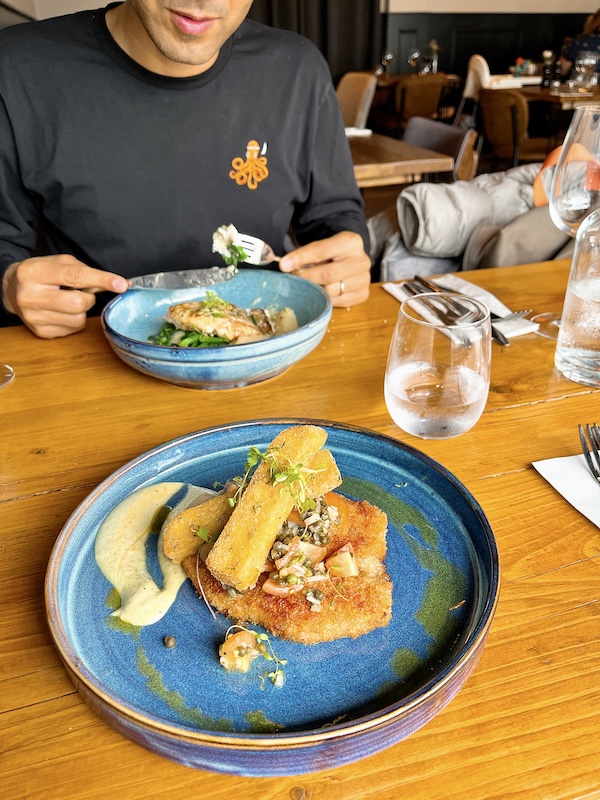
349 33
499 38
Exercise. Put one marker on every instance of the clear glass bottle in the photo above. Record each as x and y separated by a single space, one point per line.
577 354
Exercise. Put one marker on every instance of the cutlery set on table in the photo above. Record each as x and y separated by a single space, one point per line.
452 311
591 448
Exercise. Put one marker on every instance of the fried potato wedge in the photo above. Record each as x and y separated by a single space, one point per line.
240 552
181 534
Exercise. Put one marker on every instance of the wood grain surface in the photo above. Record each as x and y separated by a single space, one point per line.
382 160
525 726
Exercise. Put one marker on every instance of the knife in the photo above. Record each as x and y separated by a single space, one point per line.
497 335
184 279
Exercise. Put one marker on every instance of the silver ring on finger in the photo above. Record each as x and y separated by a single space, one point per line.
342 289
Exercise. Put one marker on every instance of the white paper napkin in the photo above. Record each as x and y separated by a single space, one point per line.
515 327
358 132
571 477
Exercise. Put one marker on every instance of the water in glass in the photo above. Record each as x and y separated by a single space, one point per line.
438 371
435 402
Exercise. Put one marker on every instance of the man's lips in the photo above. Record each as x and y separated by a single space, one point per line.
190 25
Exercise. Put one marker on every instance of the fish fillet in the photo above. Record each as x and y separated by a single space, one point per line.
223 319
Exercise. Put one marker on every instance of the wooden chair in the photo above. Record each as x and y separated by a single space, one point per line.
413 96
419 96
355 93
505 122
444 138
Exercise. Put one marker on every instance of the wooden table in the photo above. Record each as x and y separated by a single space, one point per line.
384 161
526 725
567 101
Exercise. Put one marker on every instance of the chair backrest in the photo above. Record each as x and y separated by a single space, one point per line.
419 95
505 118
355 93
445 138
478 77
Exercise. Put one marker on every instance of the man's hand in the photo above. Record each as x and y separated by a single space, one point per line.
338 263
52 294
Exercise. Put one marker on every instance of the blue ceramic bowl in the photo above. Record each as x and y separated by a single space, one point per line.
342 700
130 318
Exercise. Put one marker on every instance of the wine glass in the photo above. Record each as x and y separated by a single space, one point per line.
575 188
386 60
7 373
585 67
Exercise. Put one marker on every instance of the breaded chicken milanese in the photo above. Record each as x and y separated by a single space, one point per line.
293 556
349 606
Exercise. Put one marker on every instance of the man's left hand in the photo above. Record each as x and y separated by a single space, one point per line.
338 263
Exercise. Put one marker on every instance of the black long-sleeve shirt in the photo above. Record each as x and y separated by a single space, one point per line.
131 172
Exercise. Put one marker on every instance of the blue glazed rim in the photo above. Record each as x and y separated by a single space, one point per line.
170 353
448 675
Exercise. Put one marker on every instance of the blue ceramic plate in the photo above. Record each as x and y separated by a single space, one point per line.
130 318
342 700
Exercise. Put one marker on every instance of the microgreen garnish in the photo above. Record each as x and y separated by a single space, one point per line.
276 675
338 590
214 304
202 592
281 472
202 533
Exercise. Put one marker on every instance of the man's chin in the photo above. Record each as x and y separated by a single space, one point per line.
187 60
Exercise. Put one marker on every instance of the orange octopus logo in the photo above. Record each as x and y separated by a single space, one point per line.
253 170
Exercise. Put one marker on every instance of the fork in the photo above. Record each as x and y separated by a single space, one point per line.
436 287
591 451
447 313
258 252
511 316
419 285
450 311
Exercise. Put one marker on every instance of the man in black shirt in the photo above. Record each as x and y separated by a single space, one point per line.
128 135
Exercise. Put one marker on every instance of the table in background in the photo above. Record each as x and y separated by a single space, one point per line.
566 101
386 102
526 723
384 161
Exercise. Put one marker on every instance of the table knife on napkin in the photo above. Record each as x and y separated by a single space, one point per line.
497 334
452 282
184 279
